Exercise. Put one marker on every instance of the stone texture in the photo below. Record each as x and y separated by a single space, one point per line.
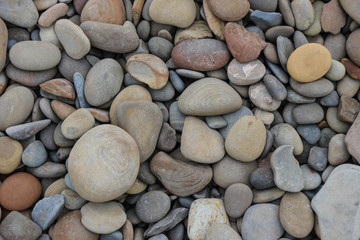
59 87
261 97
317 88
230 10
53 13
262 178
47 210
303 13
10 154
245 73
350 7
222 231
152 206
308 113
26 130
216 25
237 198
351 48
21 13
109 11
34 154
285 134
337 153
199 29
3 43
348 109
77 123
333 17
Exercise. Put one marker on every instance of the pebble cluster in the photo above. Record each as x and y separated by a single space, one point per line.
179 119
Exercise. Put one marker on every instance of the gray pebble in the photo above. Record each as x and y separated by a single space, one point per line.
311 133
176 81
326 135
159 237
177 118
152 206
299 39
215 122
160 47
35 35
72 200
257 30
129 80
34 154
164 94
312 178
266 20
112 236
145 174
92 59
294 97
68 182
79 83
278 71
133 218
277 118
145 11
231 118
143 30
308 113
268 144
177 233
190 74
284 48
142 48
47 137
318 158
204 193
44 237
164 111
331 100
262 178
275 87
186 201
287 114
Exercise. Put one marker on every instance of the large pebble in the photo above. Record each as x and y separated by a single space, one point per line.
203 214
352 139
351 48
47 210
200 143
318 88
199 99
329 23
246 139
115 158
262 221
262 178
309 62
53 13
199 29
143 121
10 154
110 11
237 198
261 97
230 10
102 218
350 7
152 206
285 134
26 130
304 14
264 5
69 66
200 54
308 113
179 177
287 172
338 152
22 13
245 46
77 123
103 82
34 154
34 55
245 73
19 191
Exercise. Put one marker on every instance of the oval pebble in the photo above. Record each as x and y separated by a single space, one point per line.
237 198
34 154
152 206
245 73
10 154
77 123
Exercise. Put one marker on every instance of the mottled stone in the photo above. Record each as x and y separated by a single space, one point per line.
262 178
348 109
10 154
110 11
333 18
303 13
337 152
47 210
245 73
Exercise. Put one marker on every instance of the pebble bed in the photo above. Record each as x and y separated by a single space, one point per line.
179 119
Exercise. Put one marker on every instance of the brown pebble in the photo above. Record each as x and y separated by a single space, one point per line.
52 14
348 109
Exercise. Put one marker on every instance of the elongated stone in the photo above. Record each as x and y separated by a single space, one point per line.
26 130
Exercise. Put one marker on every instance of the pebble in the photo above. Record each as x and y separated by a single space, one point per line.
318 158
102 218
303 13
351 50
287 174
310 132
59 88
339 190
200 54
237 198
330 100
278 72
77 123
4 43
244 46
152 206
285 134
215 24
266 20
203 214
117 235
59 139
21 13
299 39
348 109
245 73
72 200
167 138
10 154
350 8
17 226
296 215
178 174
258 93
311 177
328 22
246 139
199 29
334 122
265 219
350 68
26 130
348 86
284 48
336 44
197 99
200 143
337 152
53 13
48 170
276 89
220 230
231 10
69 226
315 89
164 94
231 118
309 62
104 11
309 113
176 117
160 47
34 154
216 122
109 144
352 138
262 178
267 195
19 191
315 27
61 109
47 210
285 10
272 33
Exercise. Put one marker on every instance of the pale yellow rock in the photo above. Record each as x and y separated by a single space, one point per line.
48 34
199 29
267 195
138 187
246 139
216 25
10 154
56 187
77 123
200 143
285 134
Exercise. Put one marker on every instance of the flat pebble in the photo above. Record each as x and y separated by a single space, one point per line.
285 134
318 158
262 178
276 89
267 195
318 88
261 97
10 154
336 72
199 29
311 132
152 206
311 177
308 113
34 154
303 13
237 198
231 10
20 13
245 73
47 210
220 230
337 152
104 11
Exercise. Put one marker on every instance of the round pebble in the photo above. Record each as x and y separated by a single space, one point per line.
10 154
237 198
34 154
152 206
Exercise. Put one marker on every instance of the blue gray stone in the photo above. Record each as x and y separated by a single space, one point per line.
284 48
190 73
276 89
311 132
35 35
278 71
262 178
177 118
176 81
68 182
160 47
231 118
159 237
268 144
257 30
163 94
331 100
129 80
265 20
318 158
112 236
326 135
79 83
186 201
34 154
47 210
215 122
294 97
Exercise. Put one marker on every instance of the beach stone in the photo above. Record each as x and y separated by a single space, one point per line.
215 24
198 99
296 215
21 13
77 123
34 154
47 210
294 97
352 139
308 113
104 11
176 117
102 218
349 67
267 195
216 122
276 89
72 200
229 171
53 13
262 178
245 73
15 105
72 38
171 220
149 69
265 218
339 190
326 135
348 109
26 130
19 191
266 6
299 39
351 49
350 8
48 170
270 53
237 198
278 72
3 43
220 230
318 158
231 118
111 37
59 138
203 214
109 144
266 20
152 206
315 27
145 115
337 152
34 55
29 78
309 62
244 46
261 97
17 226
200 55
58 87
315 89
230 10
190 74
178 174
334 122
336 44
311 177
182 15
328 22
330 100
310 132
303 13
199 29
69 226
285 10
240 142
284 48
103 82
10 154
160 47
287 172
348 86
272 33
69 66
164 94
167 138
61 109
200 143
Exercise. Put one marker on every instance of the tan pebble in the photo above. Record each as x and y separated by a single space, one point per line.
77 123
61 109
110 11
216 25
52 14
59 87
10 154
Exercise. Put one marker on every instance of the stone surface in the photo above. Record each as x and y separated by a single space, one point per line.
53 13
340 189
77 123
21 13
337 153
237 198
34 154
110 11
203 214
329 23
267 195
245 73
308 113
198 99
287 172
309 62
216 25
276 89
69 66
261 97
19 191
222 231
317 88
246 139
245 46
102 218
334 122
350 8
179 177
152 206
285 134
230 10
352 139
303 13
262 221
114 156
3 44
47 210
310 132
200 54
59 87
10 154
26 130
351 49
200 143
348 109
262 178
199 29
